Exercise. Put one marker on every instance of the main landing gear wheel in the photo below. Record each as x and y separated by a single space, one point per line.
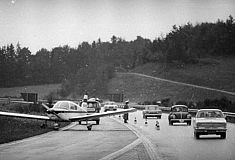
56 126
44 125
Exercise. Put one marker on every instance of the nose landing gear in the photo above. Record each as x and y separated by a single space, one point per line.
56 126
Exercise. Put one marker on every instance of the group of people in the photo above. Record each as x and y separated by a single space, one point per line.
126 106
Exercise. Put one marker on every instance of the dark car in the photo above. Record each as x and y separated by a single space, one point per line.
179 114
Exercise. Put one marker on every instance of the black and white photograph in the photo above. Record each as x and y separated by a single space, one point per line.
117 79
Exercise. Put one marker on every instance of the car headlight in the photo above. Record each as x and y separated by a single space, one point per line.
224 125
198 125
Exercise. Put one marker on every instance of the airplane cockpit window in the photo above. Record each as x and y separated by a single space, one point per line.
62 105
90 105
73 106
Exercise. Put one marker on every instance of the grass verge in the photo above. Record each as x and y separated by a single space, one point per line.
12 129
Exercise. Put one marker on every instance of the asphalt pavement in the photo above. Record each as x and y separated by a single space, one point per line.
109 140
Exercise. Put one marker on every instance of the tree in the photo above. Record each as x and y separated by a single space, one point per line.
23 65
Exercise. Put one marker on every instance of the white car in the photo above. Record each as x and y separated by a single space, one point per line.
110 106
210 121
152 111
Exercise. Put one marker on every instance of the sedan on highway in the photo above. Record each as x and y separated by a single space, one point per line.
152 111
110 106
210 121
179 114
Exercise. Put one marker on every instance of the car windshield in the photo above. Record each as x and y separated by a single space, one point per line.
151 108
180 109
92 105
210 114
110 103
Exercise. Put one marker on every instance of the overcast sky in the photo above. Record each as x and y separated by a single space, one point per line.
49 23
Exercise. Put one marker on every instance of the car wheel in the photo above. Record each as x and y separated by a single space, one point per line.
197 135
89 128
223 135
98 122
79 122
170 123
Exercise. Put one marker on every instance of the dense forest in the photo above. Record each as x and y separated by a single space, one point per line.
88 67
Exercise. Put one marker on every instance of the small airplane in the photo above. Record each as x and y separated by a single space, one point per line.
66 111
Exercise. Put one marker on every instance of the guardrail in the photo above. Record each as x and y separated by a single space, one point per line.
12 99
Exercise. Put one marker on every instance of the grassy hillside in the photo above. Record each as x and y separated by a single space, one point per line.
215 73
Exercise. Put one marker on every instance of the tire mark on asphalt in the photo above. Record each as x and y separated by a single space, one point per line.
122 151
150 147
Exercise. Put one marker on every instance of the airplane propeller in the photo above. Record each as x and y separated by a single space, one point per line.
49 110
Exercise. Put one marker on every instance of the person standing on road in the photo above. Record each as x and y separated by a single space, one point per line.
126 116
84 102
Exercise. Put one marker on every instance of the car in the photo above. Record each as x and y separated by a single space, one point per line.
179 114
110 106
210 121
152 111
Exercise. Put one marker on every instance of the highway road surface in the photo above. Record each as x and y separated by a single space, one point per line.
178 143
75 143
113 139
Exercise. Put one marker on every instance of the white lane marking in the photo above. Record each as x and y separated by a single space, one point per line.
122 151
181 83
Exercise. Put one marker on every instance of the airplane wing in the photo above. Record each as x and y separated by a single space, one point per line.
20 115
103 114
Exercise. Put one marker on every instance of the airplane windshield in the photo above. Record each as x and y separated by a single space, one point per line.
62 105
73 106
